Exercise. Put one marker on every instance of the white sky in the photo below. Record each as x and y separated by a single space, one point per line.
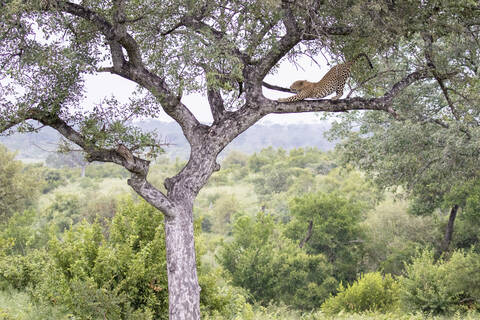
105 85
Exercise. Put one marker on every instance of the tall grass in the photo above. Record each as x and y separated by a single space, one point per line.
15 305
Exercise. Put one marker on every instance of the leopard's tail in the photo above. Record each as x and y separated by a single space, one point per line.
358 56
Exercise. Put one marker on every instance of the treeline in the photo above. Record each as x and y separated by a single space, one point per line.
279 235
40 145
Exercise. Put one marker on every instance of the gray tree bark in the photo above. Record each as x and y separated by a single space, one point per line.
183 287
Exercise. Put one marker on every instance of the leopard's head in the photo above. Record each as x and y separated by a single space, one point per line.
299 85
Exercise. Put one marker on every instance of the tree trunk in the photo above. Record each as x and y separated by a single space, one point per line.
308 236
183 287
449 230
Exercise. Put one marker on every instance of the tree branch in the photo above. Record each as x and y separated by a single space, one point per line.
200 26
271 58
429 57
405 82
234 123
216 104
7 125
308 235
170 102
138 167
133 69
258 37
113 33
383 103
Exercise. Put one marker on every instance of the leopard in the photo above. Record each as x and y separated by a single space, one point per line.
333 81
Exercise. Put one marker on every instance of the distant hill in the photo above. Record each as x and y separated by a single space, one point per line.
37 146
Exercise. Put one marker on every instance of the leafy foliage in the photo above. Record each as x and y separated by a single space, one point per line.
370 292
18 187
336 231
95 267
393 235
441 286
272 268
122 276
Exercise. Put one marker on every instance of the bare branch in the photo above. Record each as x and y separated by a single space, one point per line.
175 27
405 82
383 103
440 79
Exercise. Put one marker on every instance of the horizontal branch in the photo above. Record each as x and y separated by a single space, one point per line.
383 103
328 105
259 106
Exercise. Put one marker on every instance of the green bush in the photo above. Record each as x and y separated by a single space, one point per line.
64 211
441 286
22 272
22 232
274 269
336 230
222 212
122 276
113 273
371 292
19 186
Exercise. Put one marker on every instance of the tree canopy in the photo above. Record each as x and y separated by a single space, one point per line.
426 71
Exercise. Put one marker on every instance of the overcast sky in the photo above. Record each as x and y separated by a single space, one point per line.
105 85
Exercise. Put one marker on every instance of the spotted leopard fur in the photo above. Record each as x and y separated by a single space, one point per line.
333 81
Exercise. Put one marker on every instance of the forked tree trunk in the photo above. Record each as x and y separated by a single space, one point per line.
183 287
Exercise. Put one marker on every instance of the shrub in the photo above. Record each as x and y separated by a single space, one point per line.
274 269
371 292
335 232
18 187
118 274
441 286
124 274
21 233
20 272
